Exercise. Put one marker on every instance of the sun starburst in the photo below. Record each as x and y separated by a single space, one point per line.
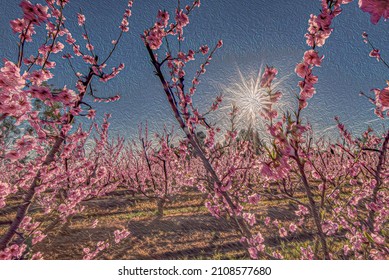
251 101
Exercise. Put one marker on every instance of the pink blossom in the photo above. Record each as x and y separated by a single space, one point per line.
41 12
379 239
283 232
307 90
376 9
268 76
182 19
37 256
311 57
127 13
67 96
292 227
38 237
154 38
375 53
39 76
383 97
57 47
204 49
91 114
329 227
346 249
76 50
124 25
307 253
89 59
254 199
250 218
18 25
253 253
163 18
28 10
10 78
278 255
120 234
80 19
302 69
311 79
90 47
302 210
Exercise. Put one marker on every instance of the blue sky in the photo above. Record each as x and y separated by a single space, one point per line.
254 32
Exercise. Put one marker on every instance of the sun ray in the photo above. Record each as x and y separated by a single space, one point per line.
250 100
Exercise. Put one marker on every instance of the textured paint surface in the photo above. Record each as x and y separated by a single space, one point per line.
254 32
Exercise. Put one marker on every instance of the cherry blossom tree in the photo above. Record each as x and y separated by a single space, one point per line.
47 166
158 170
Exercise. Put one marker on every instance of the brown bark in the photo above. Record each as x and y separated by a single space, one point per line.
314 211
242 225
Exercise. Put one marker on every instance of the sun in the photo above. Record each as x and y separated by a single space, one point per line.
250 100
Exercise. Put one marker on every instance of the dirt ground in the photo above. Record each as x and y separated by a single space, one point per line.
186 231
